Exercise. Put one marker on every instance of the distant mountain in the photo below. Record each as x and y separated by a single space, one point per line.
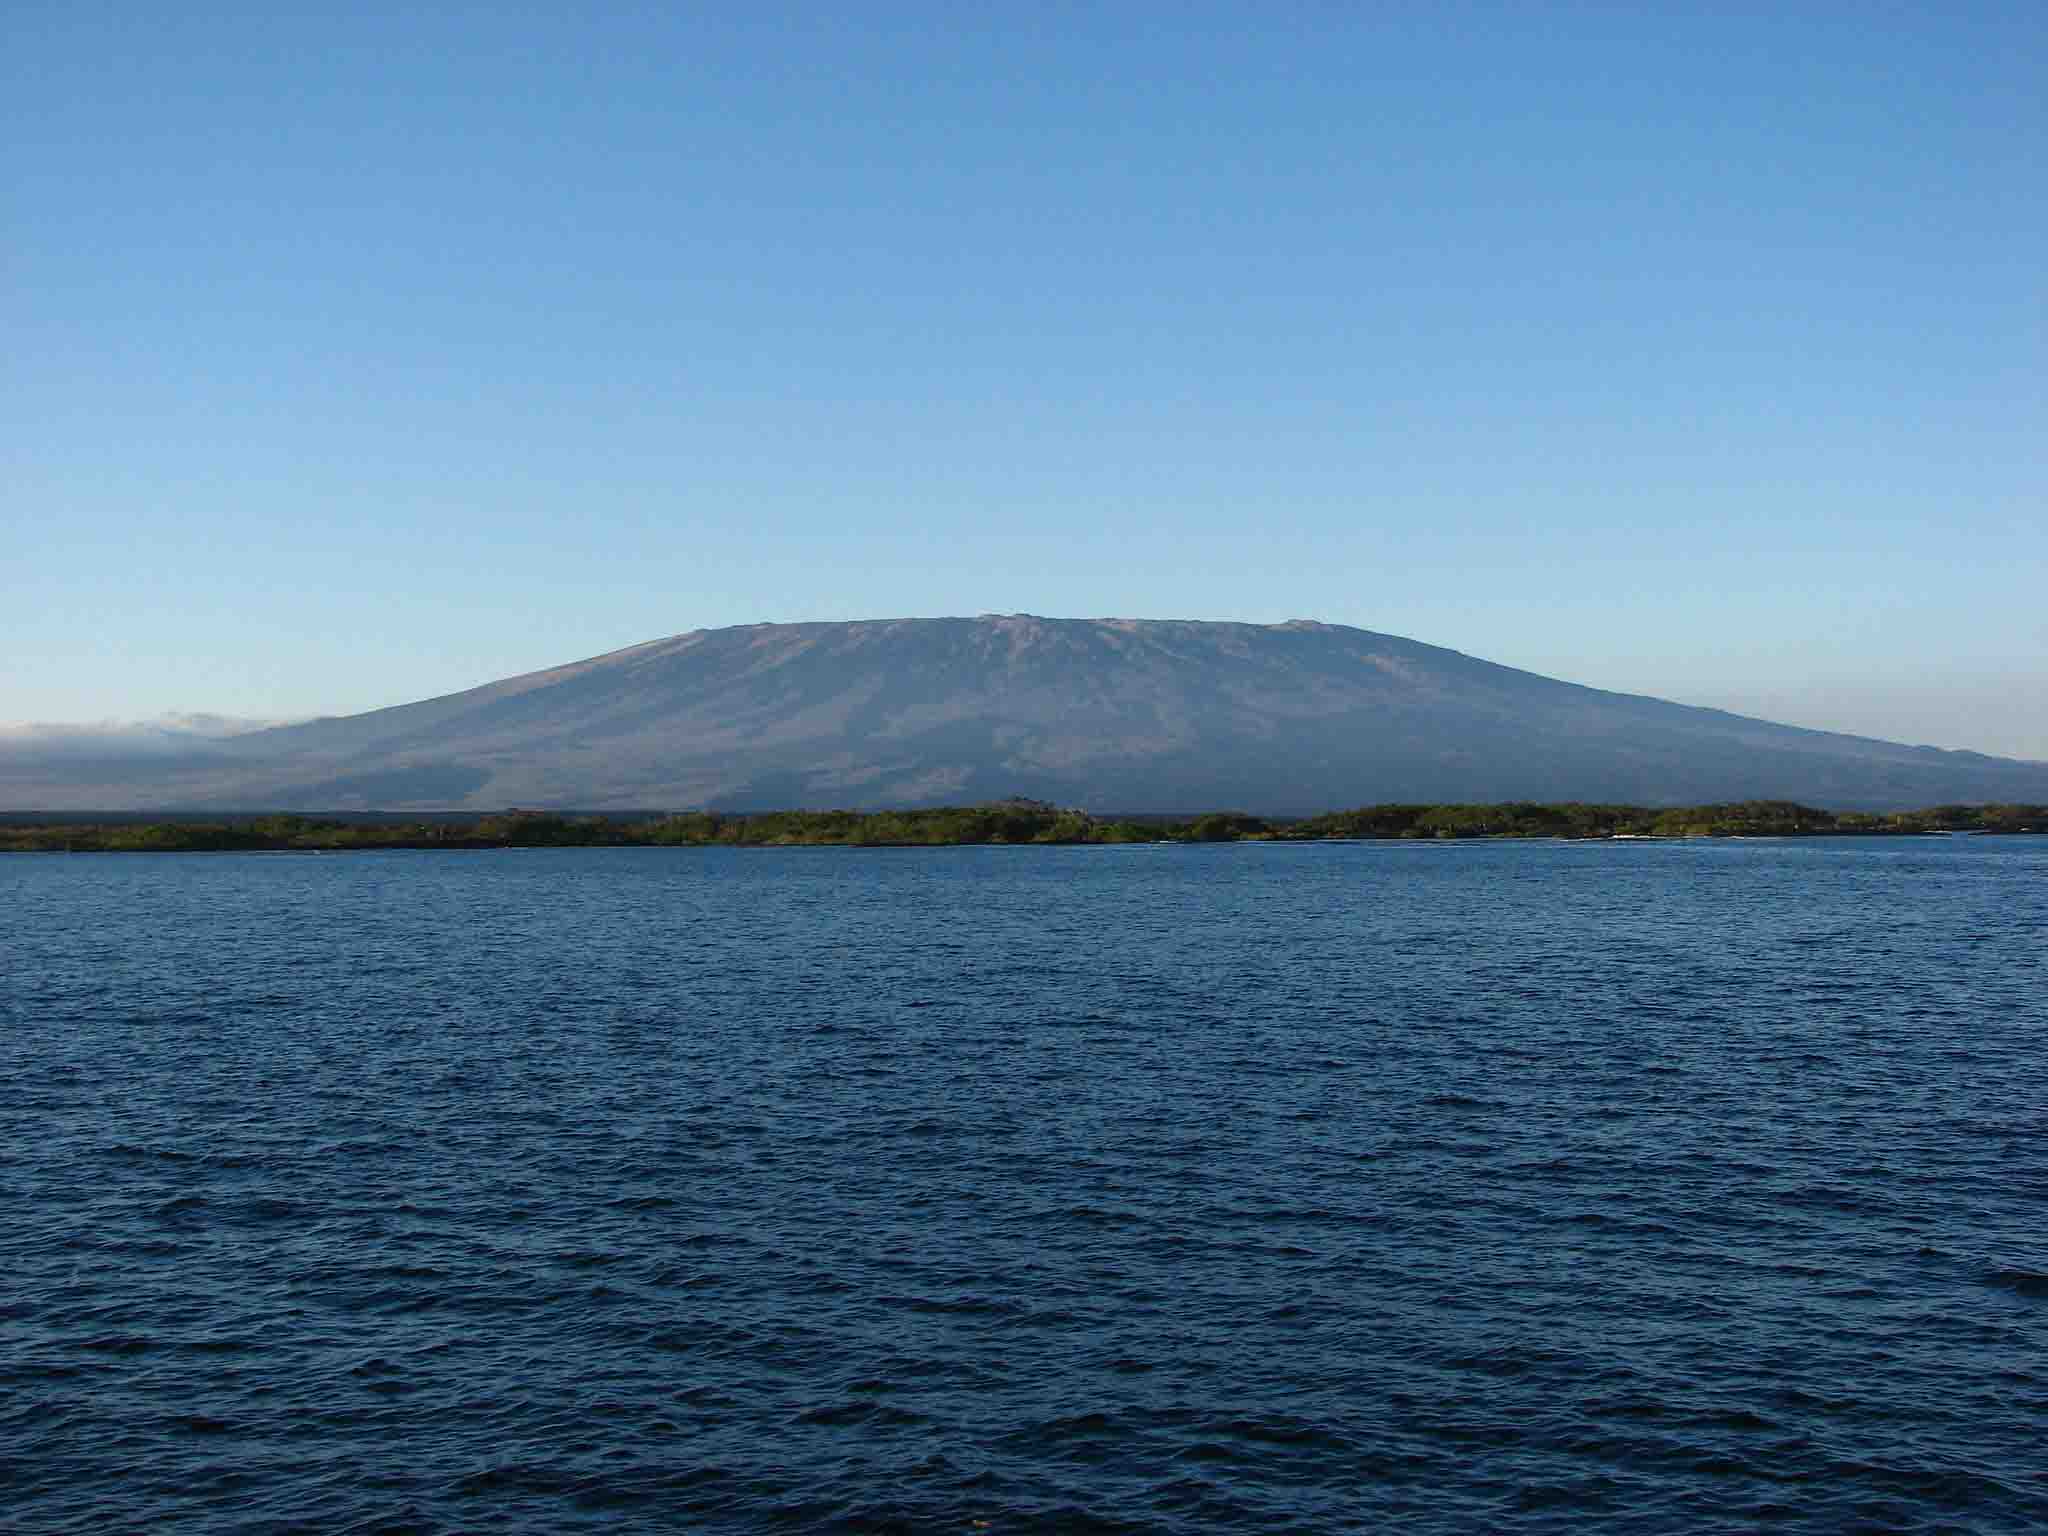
165 734
1107 714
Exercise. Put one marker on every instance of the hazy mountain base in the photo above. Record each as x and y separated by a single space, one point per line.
1010 822
1176 716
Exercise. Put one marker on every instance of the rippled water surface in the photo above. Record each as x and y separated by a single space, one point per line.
1680 1187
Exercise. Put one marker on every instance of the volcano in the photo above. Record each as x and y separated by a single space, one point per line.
1109 715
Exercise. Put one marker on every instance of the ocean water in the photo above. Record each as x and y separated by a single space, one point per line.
1515 1187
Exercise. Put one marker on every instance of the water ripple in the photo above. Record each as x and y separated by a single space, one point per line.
979 1190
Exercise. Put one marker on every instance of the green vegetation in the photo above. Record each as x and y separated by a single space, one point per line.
1749 818
1007 821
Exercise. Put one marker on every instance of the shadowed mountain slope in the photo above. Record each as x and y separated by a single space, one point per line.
1107 714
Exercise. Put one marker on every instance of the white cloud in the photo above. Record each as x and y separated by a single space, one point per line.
171 734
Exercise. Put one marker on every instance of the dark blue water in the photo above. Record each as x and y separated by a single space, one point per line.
1525 1187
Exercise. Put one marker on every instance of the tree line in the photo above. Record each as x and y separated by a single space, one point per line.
1006 822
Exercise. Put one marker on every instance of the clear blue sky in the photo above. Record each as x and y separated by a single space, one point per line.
361 356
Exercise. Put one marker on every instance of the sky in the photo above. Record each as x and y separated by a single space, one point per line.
355 354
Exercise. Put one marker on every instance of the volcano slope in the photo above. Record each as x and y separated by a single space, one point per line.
1104 714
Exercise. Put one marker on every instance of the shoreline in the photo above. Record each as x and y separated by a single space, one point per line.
1002 824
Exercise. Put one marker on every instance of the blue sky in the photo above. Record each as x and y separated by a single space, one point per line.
358 355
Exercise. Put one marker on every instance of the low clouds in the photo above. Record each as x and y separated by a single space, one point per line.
165 736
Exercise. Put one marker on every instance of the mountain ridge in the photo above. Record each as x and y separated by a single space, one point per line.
1157 714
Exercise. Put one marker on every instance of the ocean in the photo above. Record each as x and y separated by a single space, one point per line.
1439 1187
